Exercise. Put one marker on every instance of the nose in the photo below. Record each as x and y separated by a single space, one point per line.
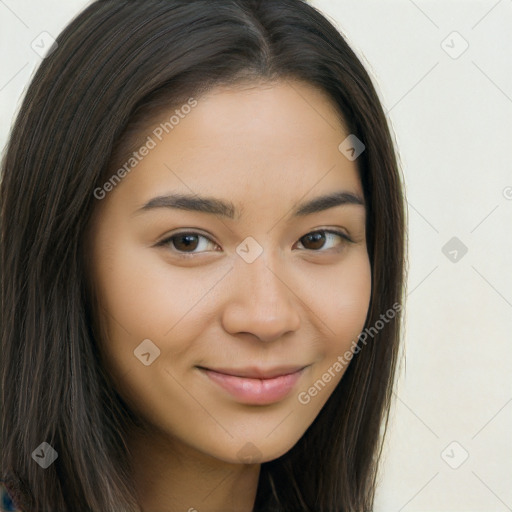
262 303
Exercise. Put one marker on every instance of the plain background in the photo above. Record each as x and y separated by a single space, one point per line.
449 446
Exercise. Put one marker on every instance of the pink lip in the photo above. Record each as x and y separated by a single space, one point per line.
256 391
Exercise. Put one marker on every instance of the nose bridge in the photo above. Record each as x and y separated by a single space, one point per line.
266 285
263 303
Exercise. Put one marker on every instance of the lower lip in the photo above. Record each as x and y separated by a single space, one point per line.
256 391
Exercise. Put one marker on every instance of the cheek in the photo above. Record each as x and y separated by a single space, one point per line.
144 297
347 296
147 296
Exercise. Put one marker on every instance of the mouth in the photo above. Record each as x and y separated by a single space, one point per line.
256 386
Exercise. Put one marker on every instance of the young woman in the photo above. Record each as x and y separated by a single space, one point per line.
202 265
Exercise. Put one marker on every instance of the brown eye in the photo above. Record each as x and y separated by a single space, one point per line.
186 243
316 239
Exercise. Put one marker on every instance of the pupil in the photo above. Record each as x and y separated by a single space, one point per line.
188 242
317 238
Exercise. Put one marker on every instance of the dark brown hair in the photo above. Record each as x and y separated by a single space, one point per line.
117 63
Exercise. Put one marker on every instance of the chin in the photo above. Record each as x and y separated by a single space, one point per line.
256 451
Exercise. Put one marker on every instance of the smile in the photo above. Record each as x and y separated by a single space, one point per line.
252 388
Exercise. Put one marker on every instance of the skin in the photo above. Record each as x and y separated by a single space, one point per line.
266 148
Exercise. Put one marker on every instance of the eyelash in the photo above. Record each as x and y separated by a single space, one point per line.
167 241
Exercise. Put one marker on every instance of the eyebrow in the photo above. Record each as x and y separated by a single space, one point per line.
227 209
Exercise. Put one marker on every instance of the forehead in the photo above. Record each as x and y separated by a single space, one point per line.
251 143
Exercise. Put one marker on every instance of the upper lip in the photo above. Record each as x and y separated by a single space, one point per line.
254 372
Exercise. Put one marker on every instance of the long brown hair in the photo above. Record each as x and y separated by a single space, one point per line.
116 63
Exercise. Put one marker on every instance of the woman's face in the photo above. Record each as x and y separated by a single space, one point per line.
238 279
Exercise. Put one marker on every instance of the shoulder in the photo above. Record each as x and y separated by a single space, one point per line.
6 503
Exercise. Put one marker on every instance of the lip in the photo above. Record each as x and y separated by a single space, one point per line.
256 386
254 372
